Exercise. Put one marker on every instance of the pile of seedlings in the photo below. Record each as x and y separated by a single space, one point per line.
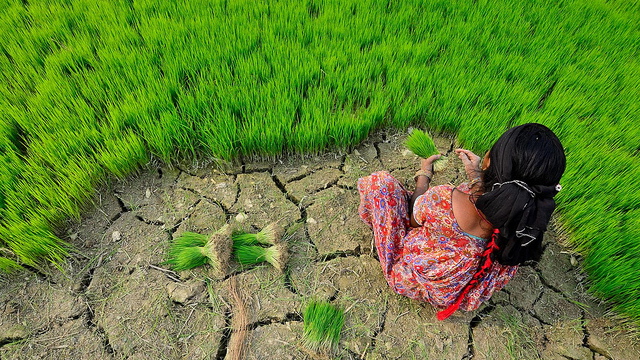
250 249
421 144
191 250
322 326
322 321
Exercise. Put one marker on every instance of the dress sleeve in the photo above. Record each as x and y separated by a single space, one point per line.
435 199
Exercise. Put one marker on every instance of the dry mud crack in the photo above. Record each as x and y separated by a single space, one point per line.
116 299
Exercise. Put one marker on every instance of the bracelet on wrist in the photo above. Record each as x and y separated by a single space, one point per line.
474 181
421 172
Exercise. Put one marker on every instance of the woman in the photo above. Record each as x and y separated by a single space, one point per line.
455 246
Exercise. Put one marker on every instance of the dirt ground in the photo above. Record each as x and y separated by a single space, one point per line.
115 299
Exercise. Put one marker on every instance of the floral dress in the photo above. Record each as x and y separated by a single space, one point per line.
432 262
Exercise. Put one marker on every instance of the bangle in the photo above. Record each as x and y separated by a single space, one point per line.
422 173
474 181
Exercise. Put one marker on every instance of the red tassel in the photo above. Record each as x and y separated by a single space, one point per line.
486 265
449 311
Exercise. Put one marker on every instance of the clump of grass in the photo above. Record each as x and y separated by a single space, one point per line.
322 326
421 144
191 250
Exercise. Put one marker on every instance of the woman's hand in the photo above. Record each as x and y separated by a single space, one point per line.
422 183
427 164
471 163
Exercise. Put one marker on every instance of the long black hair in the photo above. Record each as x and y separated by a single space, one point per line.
526 164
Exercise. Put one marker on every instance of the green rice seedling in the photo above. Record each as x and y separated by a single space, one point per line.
441 163
241 238
247 255
189 257
250 254
420 144
33 240
191 250
423 146
322 326
185 252
269 235
9 266
122 156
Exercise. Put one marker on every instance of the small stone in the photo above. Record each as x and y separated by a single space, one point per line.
241 217
183 292
147 194
311 221
115 236
574 261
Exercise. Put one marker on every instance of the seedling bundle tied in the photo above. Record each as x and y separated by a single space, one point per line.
322 326
423 146
191 250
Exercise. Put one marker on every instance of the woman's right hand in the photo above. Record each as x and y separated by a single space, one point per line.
471 162
427 164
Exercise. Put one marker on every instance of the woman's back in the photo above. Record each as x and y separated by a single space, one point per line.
432 262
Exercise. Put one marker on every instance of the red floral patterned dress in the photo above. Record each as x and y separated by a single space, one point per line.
432 262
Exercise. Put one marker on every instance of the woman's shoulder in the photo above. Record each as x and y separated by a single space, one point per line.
443 187
436 197
439 192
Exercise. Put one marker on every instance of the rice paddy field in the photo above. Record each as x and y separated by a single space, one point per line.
91 91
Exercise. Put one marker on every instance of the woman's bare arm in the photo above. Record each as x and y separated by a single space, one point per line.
422 184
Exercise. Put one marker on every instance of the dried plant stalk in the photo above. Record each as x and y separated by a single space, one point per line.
239 323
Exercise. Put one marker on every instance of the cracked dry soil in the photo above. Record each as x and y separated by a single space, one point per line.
116 300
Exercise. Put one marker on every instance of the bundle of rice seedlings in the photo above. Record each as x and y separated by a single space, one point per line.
187 251
191 250
322 326
248 250
269 235
219 250
441 163
247 255
423 146
420 144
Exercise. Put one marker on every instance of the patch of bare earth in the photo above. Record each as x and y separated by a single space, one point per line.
117 300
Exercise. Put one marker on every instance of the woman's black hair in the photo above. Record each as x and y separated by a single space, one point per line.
526 164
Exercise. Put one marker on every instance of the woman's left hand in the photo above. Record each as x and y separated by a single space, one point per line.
427 164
